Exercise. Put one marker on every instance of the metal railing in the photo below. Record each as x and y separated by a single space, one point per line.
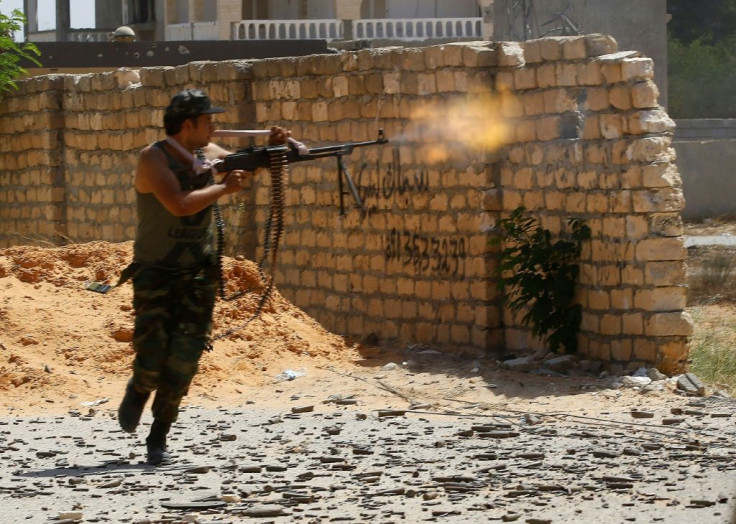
417 28
327 29
204 31
406 29
89 36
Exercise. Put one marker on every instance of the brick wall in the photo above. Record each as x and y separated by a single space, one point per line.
587 139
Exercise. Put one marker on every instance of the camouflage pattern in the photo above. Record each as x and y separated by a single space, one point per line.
173 321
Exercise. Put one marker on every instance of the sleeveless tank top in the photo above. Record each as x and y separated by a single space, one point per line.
169 241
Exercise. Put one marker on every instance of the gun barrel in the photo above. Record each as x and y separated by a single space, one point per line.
347 148
240 132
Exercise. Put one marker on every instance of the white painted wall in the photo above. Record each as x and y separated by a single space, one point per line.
432 8
209 11
320 9
284 10
182 11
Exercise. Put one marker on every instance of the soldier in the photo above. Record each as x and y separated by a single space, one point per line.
174 270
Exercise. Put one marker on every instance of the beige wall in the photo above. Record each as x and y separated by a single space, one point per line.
588 140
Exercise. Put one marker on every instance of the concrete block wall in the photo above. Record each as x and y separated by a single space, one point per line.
593 143
414 264
32 188
70 146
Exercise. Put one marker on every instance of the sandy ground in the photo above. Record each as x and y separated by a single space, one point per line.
62 344
66 350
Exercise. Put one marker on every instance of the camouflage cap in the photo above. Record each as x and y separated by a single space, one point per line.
190 103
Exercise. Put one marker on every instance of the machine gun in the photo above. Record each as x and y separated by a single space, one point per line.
277 159
252 158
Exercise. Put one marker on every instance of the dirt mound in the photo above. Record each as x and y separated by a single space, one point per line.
62 343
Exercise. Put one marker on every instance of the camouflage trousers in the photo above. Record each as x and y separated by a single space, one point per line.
173 321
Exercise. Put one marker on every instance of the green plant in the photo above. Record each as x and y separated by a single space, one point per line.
700 77
717 270
541 274
710 274
11 52
711 349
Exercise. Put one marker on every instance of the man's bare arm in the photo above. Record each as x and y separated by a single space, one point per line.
154 176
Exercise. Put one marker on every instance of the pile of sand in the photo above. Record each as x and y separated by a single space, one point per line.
62 344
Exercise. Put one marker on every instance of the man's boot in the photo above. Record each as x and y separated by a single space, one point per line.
131 408
156 444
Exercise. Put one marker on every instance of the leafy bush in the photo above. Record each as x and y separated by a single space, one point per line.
12 52
711 350
541 274
701 79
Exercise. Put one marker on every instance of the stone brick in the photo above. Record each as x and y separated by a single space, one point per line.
510 54
610 325
596 203
445 81
611 72
644 95
614 226
340 86
660 199
566 75
645 349
532 51
621 350
592 127
671 298
356 84
666 224
648 149
546 75
660 175
504 81
462 81
678 323
350 62
597 99
565 179
672 356
620 97
559 101
651 249
533 200
434 57
413 59
525 131
460 334
609 276
668 273
426 84
551 48
632 324
513 106
548 128
525 78
657 121
637 69
598 45
309 88
636 227
613 125
575 48
598 299
590 322
589 73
